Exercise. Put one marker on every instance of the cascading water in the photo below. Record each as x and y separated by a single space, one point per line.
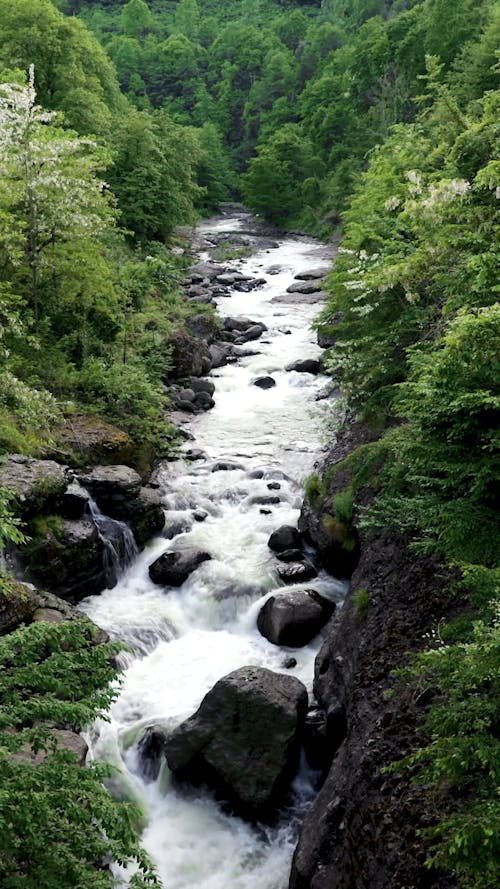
184 640
120 548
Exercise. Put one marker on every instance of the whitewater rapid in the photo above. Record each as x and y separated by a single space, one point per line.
182 641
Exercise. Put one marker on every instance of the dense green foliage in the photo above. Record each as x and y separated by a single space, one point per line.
56 676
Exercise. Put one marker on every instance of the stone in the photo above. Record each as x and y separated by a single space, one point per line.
186 395
194 454
200 385
203 270
251 333
75 501
294 618
220 353
90 440
174 527
230 278
203 327
174 568
303 287
145 515
274 486
204 401
112 487
297 572
226 466
319 296
306 366
264 382
284 538
313 274
151 751
37 485
290 555
189 356
244 740
65 740
289 663
200 515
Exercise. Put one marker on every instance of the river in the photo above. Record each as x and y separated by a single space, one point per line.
183 641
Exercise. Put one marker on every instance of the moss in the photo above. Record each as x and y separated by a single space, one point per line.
312 489
361 602
343 504
339 532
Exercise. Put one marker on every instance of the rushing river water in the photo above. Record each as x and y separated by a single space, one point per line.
184 640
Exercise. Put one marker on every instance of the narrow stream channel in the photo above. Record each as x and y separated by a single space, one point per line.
184 640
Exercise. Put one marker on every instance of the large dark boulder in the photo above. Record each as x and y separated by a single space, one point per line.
113 488
294 618
173 568
70 558
286 537
304 287
264 382
313 274
306 366
190 356
90 440
244 740
145 515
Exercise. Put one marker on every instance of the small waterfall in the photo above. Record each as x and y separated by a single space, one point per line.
120 548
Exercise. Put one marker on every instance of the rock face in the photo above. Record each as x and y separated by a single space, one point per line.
244 740
285 538
173 568
294 618
119 494
362 829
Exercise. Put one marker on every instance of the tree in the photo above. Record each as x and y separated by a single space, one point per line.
57 821
136 18
55 212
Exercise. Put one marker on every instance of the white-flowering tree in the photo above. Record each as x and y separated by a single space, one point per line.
55 214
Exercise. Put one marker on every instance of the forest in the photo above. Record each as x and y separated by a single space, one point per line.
373 122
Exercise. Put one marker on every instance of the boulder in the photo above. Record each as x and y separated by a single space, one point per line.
294 618
312 274
174 568
70 558
286 537
244 740
151 750
264 382
174 527
226 466
306 366
251 333
113 488
319 296
145 515
220 353
200 385
297 572
204 327
75 501
190 356
37 485
203 270
22 603
204 401
303 287
91 440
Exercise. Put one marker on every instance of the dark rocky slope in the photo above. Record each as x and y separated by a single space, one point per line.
362 830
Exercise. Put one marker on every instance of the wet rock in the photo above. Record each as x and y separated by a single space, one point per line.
145 515
113 488
69 557
227 279
306 366
174 527
319 296
195 454
312 274
248 286
226 466
200 515
284 538
297 572
204 401
174 568
200 385
239 324
74 502
38 485
266 511
274 486
265 500
303 287
316 739
289 663
264 382
151 751
220 353
251 333
290 555
244 740
294 618
186 395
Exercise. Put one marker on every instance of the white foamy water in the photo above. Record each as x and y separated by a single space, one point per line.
184 640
